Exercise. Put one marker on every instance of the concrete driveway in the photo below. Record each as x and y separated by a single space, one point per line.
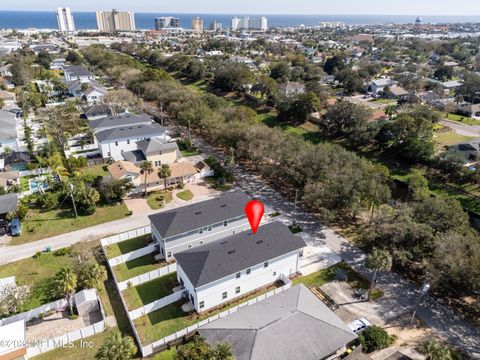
137 204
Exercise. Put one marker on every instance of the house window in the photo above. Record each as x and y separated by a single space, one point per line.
202 304
201 242
128 142
265 264
116 143
109 154
237 275
200 231
274 273
224 295
248 271
225 223
169 254
237 290
209 228
189 246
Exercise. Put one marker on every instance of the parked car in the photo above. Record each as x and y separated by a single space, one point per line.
15 227
359 325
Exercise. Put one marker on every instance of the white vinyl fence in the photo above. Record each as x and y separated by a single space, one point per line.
151 348
45 345
126 235
58 305
40 171
154 306
143 278
132 255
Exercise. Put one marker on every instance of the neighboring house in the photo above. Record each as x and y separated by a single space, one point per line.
203 169
291 88
94 94
200 223
119 120
471 110
451 85
112 143
13 341
77 72
471 150
7 97
125 170
396 92
8 203
155 150
8 131
86 90
50 48
222 270
99 111
8 178
58 64
377 86
293 325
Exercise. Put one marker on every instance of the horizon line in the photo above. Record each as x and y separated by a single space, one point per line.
240 14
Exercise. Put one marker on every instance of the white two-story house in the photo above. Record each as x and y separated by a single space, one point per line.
8 132
77 72
227 268
194 225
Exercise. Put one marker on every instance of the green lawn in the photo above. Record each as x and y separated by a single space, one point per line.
185 195
166 355
462 119
193 152
137 267
96 170
127 246
171 318
384 101
156 199
322 277
137 296
40 225
450 138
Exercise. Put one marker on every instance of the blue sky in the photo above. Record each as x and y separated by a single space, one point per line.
312 7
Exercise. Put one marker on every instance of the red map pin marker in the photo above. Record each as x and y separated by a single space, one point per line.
254 211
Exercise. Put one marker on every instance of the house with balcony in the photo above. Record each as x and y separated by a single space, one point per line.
229 267
191 226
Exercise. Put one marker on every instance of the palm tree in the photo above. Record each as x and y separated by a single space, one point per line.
377 260
164 173
146 168
116 347
435 351
222 351
66 283
391 111
91 275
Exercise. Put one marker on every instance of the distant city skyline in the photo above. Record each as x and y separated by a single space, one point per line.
266 7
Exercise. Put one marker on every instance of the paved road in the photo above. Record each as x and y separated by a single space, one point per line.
399 294
462 129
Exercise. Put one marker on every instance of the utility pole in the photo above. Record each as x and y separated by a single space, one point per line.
73 200
423 291
161 113
295 208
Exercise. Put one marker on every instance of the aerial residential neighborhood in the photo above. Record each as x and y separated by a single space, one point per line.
205 181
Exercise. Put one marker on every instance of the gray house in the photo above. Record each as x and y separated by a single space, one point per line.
197 224
8 203
293 325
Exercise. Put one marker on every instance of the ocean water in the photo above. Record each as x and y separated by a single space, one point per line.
87 20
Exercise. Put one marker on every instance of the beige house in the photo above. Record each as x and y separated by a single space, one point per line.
155 150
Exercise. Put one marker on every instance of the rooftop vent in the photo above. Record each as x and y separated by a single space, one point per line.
231 252
224 205
259 242
198 213
223 242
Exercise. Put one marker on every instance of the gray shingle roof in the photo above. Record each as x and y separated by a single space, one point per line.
8 202
77 70
134 156
293 324
154 146
186 218
8 130
109 122
130 132
99 110
237 252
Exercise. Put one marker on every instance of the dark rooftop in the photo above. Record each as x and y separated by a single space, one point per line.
8 203
113 121
130 131
186 218
237 252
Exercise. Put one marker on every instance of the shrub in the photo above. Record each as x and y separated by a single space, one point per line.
435 350
62 252
48 201
374 338
37 255
22 211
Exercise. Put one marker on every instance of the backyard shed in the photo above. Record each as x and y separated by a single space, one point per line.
86 302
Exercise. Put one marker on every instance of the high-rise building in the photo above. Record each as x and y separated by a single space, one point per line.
248 23
166 22
215 26
197 24
65 19
331 24
113 21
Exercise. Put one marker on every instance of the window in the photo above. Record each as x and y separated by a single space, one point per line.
225 223
274 273
109 154
237 275
209 228
200 231
265 264
189 246
248 271
201 242
169 254
237 290
116 143
202 304
224 295
128 142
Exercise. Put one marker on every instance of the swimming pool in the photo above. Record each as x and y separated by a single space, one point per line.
36 185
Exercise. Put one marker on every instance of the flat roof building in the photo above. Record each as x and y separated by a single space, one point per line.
113 21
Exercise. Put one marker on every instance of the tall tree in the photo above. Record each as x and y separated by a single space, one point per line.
117 347
146 168
90 275
377 260
164 173
66 284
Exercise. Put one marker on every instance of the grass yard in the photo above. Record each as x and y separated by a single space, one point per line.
322 277
40 225
96 170
462 119
171 318
185 195
166 355
137 267
137 296
450 138
156 199
384 101
192 152
127 246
